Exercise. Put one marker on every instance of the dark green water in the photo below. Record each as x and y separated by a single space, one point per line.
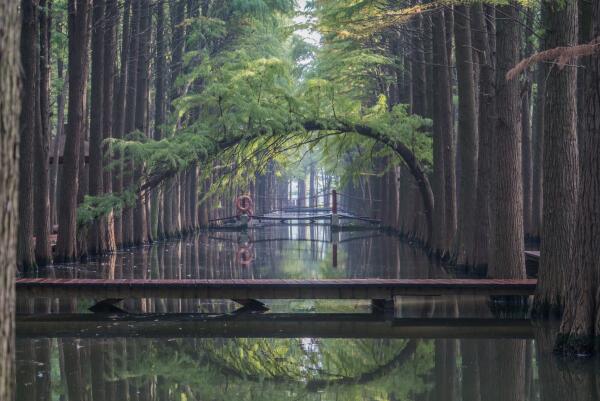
436 348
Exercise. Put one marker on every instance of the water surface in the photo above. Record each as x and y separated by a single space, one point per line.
184 350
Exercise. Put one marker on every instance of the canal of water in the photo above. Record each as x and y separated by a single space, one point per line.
431 349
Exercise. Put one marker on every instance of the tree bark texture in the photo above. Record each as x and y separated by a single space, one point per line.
580 328
561 161
97 230
508 260
78 66
10 65
43 251
467 135
29 57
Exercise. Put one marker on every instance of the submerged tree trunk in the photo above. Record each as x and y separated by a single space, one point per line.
9 176
580 328
508 259
560 161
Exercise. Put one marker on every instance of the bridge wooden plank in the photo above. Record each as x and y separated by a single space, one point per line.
269 288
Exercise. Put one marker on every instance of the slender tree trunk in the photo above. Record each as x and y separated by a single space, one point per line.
60 123
160 111
78 65
110 31
43 250
140 234
171 197
467 134
119 116
451 217
527 141
97 230
130 117
538 148
10 65
487 124
508 260
561 161
29 41
442 124
580 328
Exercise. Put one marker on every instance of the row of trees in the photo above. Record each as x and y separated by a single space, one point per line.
514 155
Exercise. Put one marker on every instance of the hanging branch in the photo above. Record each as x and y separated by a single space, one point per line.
561 56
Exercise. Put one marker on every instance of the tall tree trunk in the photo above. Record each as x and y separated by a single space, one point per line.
442 124
110 39
130 117
97 230
43 251
171 197
538 150
508 260
29 41
451 217
560 160
467 134
78 66
140 234
60 124
487 125
580 328
160 111
527 141
10 65
119 115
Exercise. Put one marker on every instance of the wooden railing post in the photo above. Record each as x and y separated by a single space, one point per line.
335 219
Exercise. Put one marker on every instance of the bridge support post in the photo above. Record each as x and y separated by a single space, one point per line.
335 219
244 220
383 307
335 240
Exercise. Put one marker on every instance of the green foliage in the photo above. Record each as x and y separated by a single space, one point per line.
250 85
93 207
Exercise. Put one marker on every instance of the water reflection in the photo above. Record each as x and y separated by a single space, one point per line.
79 356
296 369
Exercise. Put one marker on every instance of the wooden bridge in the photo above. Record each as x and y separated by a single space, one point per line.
331 215
375 289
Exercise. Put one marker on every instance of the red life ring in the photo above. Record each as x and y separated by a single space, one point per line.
244 205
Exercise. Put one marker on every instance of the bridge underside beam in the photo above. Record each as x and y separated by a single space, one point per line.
268 325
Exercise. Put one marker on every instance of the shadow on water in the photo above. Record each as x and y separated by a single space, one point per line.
432 349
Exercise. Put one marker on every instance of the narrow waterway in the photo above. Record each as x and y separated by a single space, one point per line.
184 350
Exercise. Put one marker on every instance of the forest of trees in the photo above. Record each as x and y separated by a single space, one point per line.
127 121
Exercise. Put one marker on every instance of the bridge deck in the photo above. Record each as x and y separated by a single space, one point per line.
268 289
